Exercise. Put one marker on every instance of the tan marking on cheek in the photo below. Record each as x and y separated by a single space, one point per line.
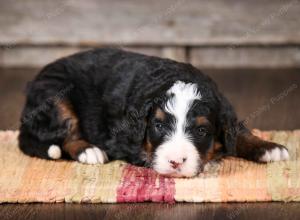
160 114
201 120
217 146
212 153
148 147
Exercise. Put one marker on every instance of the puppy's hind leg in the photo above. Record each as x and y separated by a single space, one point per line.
41 132
34 147
74 144
84 152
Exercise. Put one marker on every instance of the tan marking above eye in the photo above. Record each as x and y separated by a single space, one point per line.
201 120
160 114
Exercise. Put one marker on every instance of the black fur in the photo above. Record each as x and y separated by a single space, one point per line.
112 92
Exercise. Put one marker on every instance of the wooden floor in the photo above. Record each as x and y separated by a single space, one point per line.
266 211
267 99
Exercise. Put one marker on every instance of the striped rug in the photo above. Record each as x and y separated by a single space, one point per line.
24 179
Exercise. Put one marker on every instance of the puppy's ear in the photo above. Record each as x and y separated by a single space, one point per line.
138 119
227 124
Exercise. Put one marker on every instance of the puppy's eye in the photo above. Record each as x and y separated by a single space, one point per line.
201 131
159 126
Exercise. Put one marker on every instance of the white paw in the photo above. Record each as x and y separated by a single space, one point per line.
92 155
54 152
275 154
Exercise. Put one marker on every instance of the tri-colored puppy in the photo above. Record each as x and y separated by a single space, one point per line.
108 104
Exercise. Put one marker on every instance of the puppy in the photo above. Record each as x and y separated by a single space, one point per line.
108 104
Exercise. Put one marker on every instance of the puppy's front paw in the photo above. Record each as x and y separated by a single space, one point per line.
277 153
92 155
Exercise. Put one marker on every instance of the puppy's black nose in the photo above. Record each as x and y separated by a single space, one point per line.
175 164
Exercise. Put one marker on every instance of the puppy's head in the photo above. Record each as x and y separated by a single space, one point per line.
182 131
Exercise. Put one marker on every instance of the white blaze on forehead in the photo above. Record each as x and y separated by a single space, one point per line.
183 96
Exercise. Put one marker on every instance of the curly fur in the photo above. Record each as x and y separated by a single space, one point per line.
111 93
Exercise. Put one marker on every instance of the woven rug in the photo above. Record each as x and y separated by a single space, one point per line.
25 179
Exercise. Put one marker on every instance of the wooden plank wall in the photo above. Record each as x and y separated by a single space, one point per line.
209 34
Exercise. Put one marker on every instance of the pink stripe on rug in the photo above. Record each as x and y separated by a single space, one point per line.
140 184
